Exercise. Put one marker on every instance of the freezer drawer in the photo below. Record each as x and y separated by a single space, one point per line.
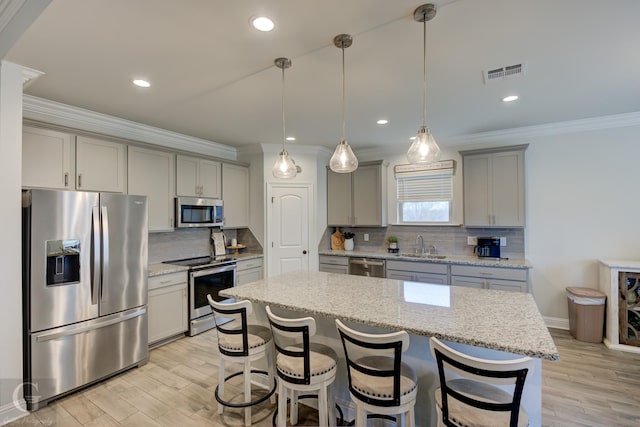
63 359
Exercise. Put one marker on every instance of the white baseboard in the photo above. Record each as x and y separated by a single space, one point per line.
12 411
556 322
621 347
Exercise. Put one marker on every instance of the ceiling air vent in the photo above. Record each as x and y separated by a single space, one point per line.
506 72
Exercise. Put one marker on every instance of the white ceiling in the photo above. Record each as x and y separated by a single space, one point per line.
213 77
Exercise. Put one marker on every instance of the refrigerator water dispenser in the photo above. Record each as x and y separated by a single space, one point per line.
63 262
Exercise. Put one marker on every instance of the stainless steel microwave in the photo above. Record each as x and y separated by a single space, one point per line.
197 212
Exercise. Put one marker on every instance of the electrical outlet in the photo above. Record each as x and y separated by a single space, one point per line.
472 240
366 237
503 241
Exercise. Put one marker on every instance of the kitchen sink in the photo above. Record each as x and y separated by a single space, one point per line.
423 256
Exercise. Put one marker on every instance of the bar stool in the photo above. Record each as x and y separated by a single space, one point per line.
239 342
379 382
469 398
302 366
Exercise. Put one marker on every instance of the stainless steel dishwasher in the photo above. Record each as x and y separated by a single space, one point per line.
367 267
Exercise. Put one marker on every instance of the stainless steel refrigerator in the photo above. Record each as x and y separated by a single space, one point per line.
85 289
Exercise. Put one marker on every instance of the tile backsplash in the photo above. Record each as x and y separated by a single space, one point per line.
447 240
191 243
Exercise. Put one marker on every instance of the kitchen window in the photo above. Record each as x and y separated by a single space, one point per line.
425 194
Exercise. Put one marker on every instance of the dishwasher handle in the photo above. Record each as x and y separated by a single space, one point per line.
364 261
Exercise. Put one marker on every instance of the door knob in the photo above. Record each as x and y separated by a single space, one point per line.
304 252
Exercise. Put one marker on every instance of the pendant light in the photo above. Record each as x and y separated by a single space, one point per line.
343 159
284 166
424 148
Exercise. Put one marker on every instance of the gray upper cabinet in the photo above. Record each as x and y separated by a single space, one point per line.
198 177
151 173
235 195
494 187
358 198
100 165
47 159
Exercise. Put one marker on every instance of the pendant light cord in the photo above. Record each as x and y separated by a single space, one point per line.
424 73
284 134
343 92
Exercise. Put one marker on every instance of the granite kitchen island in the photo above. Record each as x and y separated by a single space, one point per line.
484 323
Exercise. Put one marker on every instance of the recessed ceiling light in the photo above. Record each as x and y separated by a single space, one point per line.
510 98
383 122
291 138
262 23
141 83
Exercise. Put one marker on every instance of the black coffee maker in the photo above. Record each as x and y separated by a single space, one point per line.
488 247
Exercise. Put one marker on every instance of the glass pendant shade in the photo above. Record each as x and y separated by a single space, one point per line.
284 166
424 148
343 159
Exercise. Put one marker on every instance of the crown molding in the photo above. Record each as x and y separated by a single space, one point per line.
15 17
56 113
29 75
293 149
550 129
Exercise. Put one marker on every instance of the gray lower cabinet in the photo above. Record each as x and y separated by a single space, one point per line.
167 307
500 278
418 272
248 271
334 264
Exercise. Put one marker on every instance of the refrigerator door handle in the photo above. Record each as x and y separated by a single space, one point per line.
97 255
105 243
48 336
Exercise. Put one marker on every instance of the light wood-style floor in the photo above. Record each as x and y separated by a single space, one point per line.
589 386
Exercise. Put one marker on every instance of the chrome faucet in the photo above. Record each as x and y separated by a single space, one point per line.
419 249
432 250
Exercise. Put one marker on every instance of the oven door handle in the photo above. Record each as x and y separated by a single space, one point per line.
214 270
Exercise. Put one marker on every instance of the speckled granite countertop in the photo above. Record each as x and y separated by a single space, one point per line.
498 320
160 268
450 259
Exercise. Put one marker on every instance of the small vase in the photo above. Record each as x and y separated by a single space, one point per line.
393 245
348 244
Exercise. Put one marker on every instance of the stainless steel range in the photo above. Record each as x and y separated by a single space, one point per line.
206 276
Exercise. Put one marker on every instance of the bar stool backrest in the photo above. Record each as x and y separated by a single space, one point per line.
234 331
292 338
498 372
364 352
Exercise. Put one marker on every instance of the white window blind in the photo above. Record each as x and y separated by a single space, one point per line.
433 185
425 193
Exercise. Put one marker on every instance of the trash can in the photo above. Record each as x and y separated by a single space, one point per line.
586 314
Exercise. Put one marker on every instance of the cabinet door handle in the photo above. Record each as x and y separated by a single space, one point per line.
66 179
79 180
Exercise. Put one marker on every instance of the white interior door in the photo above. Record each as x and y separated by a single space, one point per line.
288 228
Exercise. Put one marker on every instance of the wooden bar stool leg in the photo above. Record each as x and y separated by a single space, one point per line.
361 416
293 411
221 384
247 393
322 406
332 405
282 404
270 370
